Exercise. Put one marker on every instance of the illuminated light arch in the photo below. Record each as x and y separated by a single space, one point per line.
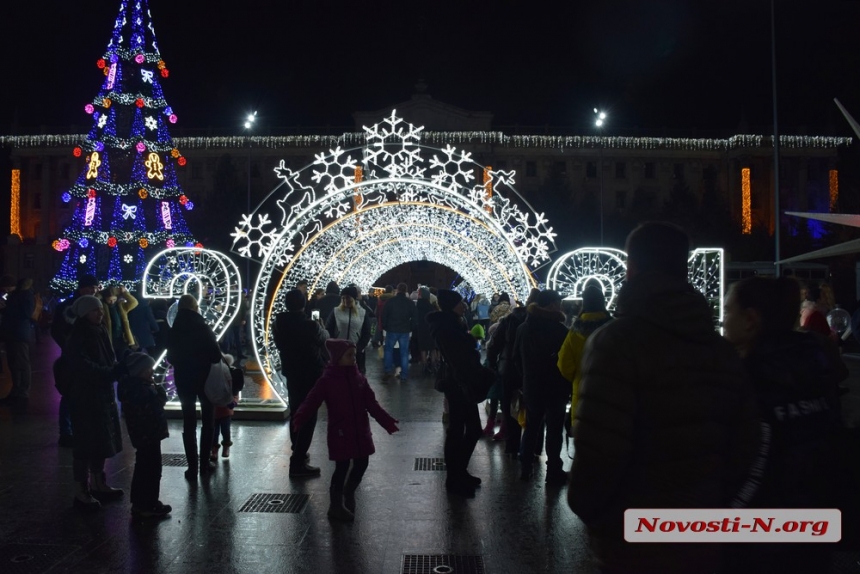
331 219
570 272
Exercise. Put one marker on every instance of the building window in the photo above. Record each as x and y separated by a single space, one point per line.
559 169
255 170
64 171
620 170
37 172
196 171
591 170
620 199
531 169
37 201
650 170
709 173
678 172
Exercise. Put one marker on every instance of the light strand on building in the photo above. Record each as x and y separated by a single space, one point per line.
488 188
834 189
15 214
746 202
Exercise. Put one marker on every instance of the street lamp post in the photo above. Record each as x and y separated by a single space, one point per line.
598 123
249 123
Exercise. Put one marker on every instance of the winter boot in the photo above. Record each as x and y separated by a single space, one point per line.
225 448
206 466
349 497
100 490
490 427
503 431
336 509
83 499
189 443
213 455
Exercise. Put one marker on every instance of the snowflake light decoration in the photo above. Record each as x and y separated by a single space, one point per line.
151 123
128 258
352 215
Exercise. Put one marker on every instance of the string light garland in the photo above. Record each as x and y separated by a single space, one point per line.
128 117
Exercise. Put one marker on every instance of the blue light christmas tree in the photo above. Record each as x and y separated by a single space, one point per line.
128 203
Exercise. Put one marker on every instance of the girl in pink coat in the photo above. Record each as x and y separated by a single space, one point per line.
349 399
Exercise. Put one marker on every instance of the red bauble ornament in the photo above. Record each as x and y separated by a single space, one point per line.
101 64
91 193
76 152
183 200
111 241
164 73
139 102
200 245
181 161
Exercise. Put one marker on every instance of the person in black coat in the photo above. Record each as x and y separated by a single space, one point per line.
92 370
545 389
141 321
328 302
301 346
192 350
462 362
15 328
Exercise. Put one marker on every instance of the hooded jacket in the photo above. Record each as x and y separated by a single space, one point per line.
666 418
349 399
536 353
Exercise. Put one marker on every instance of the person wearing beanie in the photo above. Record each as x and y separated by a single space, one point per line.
192 350
399 318
301 347
349 399
592 316
143 406
91 369
461 367
544 389
350 321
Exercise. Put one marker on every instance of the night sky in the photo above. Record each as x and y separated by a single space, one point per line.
656 66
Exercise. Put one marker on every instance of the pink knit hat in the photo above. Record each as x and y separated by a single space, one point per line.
337 348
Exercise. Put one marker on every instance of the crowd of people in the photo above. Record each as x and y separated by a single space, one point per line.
664 410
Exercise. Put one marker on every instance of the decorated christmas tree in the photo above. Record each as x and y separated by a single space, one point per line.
128 203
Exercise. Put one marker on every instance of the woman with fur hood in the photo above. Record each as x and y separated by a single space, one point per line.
592 316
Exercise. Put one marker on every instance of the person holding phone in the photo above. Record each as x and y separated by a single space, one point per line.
301 346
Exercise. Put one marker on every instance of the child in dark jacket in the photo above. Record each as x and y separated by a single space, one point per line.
349 399
143 405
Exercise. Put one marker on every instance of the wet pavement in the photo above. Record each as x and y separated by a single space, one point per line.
509 527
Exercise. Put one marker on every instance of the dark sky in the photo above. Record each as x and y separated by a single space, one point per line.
656 65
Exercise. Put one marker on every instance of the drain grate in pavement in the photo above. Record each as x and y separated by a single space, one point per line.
442 564
174 460
429 464
286 503
31 558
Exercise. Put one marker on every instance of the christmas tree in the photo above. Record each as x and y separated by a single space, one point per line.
128 203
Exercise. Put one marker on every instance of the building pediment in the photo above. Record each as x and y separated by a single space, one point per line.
433 115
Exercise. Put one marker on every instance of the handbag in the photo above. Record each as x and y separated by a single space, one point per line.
219 384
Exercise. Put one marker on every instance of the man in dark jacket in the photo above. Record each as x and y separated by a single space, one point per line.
15 329
143 325
462 363
301 345
61 327
331 300
545 390
380 306
499 354
398 320
665 416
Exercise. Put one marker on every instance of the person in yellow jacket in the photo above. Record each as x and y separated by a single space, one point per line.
592 316
116 303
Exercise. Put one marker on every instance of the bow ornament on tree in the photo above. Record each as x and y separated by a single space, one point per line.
129 211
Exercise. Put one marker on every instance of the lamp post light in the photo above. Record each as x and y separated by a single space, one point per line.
600 119
249 123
